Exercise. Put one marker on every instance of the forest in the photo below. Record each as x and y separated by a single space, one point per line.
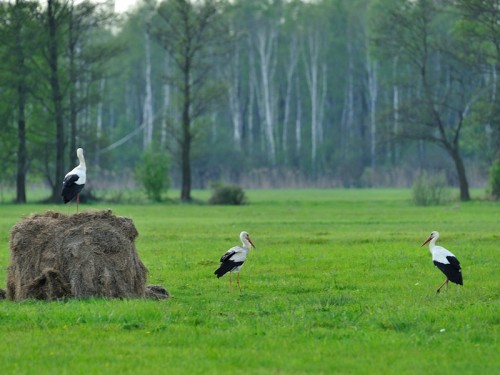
261 93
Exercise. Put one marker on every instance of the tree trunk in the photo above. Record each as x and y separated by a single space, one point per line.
311 57
57 98
186 135
21 150
99 124
21 120
73 110
395 108
166 107
290 72
462 177
252 84
298 124
371 67
347 121
147 117
234 98
317 94
185 155
265 49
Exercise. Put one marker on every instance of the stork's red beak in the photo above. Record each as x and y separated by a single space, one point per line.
426 241
251 243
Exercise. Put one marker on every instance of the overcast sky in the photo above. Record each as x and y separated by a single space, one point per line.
124 5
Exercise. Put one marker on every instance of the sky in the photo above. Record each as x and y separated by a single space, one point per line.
124 5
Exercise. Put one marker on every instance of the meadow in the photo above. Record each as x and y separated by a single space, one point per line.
338 284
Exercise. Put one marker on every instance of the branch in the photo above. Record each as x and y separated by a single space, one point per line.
123 140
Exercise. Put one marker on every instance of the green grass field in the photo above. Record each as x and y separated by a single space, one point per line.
338 284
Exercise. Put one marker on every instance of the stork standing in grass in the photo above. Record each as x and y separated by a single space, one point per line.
445 261
74 181
233 259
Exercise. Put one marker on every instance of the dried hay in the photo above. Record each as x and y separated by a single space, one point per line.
90 254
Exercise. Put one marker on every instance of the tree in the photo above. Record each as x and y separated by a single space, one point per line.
479 26
17 34
443 88
88 49
67 65
54 22
193 34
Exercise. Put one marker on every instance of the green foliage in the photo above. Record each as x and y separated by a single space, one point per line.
337 285
227 195
152 173
495 179
340 31
430 189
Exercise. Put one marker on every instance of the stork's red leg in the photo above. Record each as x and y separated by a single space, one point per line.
445 282
238 281
77 201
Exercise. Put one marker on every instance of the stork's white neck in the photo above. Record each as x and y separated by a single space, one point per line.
79 154
432 244
245 243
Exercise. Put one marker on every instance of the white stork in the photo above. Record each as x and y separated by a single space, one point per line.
445 261
74 181
233 259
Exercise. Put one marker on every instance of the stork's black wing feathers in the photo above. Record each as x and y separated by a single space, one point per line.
454 262
452 270
70 180
226 267
227 255
70 189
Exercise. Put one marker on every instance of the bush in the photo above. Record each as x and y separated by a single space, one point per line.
225 194
430 190
152 173
495 179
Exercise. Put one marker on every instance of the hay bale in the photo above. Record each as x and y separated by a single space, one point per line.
90 254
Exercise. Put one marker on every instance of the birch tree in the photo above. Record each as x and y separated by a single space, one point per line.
298 123
371 69
291 71
234 94
147 114
166 105
396 93
316 82
265 45
347 118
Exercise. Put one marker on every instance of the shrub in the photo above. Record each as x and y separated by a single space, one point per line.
152 173
495 179
227 194
430 189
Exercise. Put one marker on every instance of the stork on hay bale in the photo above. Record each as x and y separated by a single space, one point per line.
90 254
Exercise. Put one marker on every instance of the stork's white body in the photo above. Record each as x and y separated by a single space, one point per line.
439 253
81 172
237 254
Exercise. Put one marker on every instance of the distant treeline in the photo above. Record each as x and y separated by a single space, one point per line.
260 93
